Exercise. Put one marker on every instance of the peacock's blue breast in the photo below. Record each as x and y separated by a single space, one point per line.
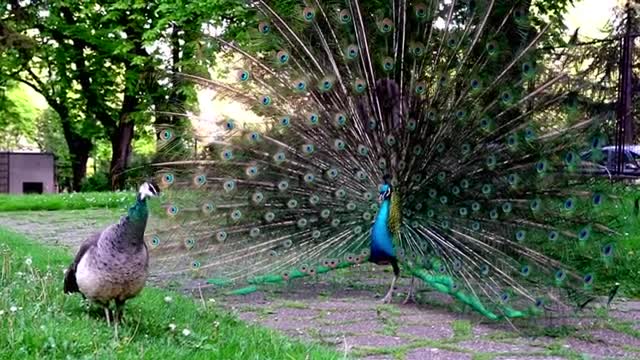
381 238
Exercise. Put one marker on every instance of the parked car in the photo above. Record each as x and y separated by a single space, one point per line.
607 161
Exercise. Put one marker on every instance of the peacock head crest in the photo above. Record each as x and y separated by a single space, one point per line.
386 189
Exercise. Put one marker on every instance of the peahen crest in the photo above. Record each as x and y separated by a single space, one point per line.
483 141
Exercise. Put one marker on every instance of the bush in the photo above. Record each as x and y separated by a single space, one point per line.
96 182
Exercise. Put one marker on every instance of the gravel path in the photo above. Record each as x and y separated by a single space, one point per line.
343 310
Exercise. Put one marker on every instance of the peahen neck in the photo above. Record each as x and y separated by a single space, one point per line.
134 225
139 212
381 237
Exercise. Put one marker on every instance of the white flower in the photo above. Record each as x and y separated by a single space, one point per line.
1 312
13 309
186 332
168 299
172 327
216 323
212 300
28 261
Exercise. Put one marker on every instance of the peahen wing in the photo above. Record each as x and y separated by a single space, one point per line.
451 99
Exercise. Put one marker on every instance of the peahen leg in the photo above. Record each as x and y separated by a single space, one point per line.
119 310
410 295
396 273
117 315
107 313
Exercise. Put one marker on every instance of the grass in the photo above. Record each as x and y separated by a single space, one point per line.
71 201
462 329
39 321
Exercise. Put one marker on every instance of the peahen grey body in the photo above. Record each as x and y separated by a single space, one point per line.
112 265
444 109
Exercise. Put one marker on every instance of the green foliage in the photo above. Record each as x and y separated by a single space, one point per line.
50 139
96 182
17 117
39 321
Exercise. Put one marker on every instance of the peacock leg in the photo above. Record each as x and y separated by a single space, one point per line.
396 274
410 295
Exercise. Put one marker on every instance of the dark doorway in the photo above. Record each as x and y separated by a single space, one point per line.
32 188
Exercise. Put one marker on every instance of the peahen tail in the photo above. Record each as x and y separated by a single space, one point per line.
490 150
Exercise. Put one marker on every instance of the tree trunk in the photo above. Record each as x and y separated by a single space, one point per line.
79 146
121 151
121 142
79 153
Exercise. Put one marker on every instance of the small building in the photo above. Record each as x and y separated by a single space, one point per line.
27 172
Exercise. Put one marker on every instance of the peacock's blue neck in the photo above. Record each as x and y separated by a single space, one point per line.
381 238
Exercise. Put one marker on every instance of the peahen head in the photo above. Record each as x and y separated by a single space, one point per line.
147 190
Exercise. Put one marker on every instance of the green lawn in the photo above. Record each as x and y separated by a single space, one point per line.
39 321
72 201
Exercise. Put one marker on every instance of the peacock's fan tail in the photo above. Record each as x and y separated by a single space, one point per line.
484 144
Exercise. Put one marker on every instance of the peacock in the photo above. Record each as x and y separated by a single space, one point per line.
112 265
432 135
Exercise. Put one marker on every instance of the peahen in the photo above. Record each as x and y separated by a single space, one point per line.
428 135
112 265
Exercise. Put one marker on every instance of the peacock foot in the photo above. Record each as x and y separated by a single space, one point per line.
387 298
410 299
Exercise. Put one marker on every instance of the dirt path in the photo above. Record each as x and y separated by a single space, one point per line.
342 310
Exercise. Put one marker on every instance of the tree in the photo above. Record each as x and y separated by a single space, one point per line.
41 63
93 62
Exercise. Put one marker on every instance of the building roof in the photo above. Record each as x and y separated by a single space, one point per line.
26 153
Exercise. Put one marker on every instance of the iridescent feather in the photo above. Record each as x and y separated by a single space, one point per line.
451 99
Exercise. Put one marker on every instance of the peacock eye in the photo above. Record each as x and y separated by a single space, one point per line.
345 16
166 135
420 10
243 75
168 179
518 14
264 27
386 25
352 51
254 136
588 279
308 13
282 56
172 210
